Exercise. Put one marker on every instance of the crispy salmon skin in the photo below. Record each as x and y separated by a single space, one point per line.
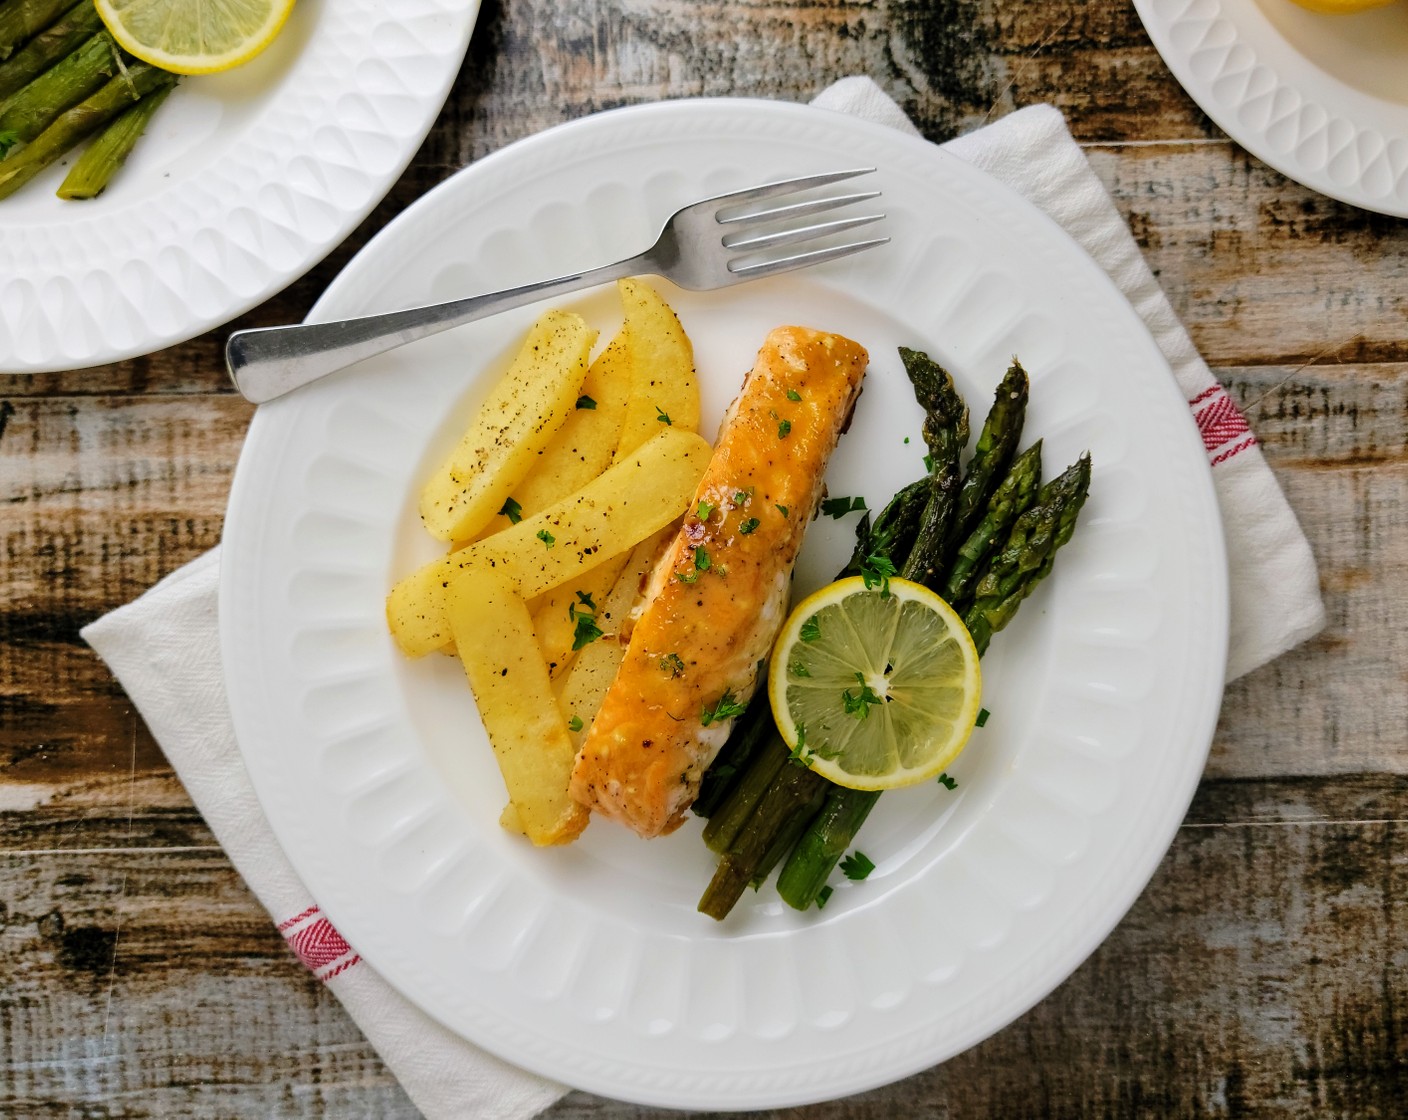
719 594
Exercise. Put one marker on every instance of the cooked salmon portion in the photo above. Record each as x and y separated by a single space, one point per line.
718 597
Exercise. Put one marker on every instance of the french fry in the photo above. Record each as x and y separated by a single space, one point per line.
585 445
664 388
522 414
635 497
579 693
501 659
554 612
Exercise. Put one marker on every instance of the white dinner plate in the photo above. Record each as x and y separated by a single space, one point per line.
1322 99
589 964
242 183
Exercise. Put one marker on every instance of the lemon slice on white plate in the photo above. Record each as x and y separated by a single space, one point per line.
194 36
875 688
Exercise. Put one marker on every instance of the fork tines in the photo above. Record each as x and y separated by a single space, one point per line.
783 219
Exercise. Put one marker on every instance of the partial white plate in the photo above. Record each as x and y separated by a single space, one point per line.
244 181
589 964
1322 99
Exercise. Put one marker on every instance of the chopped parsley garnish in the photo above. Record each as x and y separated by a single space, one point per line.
793 395
727 707
929 463
575 724
8 139
801 754
740 497
703 511
512 510
701 559
784 429
797 669
663 416
839 507
811 630
782 510
823 896
857 865
586 402
947 782
875 571
686 577
747 526
547 538
585 598
982 719
906 439
859 706
586 631
672 665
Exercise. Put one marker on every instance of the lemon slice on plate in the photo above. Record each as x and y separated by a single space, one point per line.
875 688
1341 7
194 36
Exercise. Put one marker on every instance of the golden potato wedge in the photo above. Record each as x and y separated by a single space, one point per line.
584 446
664 388
524 411
494 635
555 612
579 693
635 497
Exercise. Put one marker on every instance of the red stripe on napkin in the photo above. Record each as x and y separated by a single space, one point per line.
1220 423
318 945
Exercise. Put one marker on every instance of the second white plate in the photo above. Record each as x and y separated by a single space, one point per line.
590 964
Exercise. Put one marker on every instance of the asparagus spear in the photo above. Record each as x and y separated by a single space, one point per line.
823 844
1009 501
75 77
46 48
725 825
946 433
80 122
104 158
21 20
997 443
749 732
1026 559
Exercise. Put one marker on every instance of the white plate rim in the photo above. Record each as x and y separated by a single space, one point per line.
87 287
1075 948
1273 101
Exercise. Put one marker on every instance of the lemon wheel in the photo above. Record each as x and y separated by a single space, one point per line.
194 36
875 688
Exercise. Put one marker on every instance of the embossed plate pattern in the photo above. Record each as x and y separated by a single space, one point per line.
1322 99
590 964
243 182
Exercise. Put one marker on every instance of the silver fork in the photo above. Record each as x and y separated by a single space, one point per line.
708 244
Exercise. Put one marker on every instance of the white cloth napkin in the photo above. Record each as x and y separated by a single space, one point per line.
165 650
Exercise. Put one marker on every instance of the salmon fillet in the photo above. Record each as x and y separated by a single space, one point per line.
718 597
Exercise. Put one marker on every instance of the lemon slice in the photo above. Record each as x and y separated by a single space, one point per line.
875 690
1341 7
194 36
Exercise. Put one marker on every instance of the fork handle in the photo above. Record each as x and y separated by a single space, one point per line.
267 362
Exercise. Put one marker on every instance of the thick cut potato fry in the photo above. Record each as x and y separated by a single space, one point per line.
635 497
554 612
523 413
585 445
494 634
580 692
664 388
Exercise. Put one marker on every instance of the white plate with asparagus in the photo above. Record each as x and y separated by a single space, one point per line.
590 962
138 210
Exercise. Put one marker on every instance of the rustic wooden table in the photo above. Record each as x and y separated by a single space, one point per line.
1264 972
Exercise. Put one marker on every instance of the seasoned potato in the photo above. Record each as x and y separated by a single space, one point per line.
585 445
525 410
555 612
664 388
594 668
635 497
501 659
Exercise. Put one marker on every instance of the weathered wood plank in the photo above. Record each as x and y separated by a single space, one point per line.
149 982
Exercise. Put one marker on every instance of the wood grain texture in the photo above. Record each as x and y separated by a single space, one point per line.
1262 974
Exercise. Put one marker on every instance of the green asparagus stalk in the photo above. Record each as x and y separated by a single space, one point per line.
997 443
104 158
79 122
1009 501
46 48
1026 559
21 20
823 844
794 789
791 832
71 80
946 433
749 732
725 825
